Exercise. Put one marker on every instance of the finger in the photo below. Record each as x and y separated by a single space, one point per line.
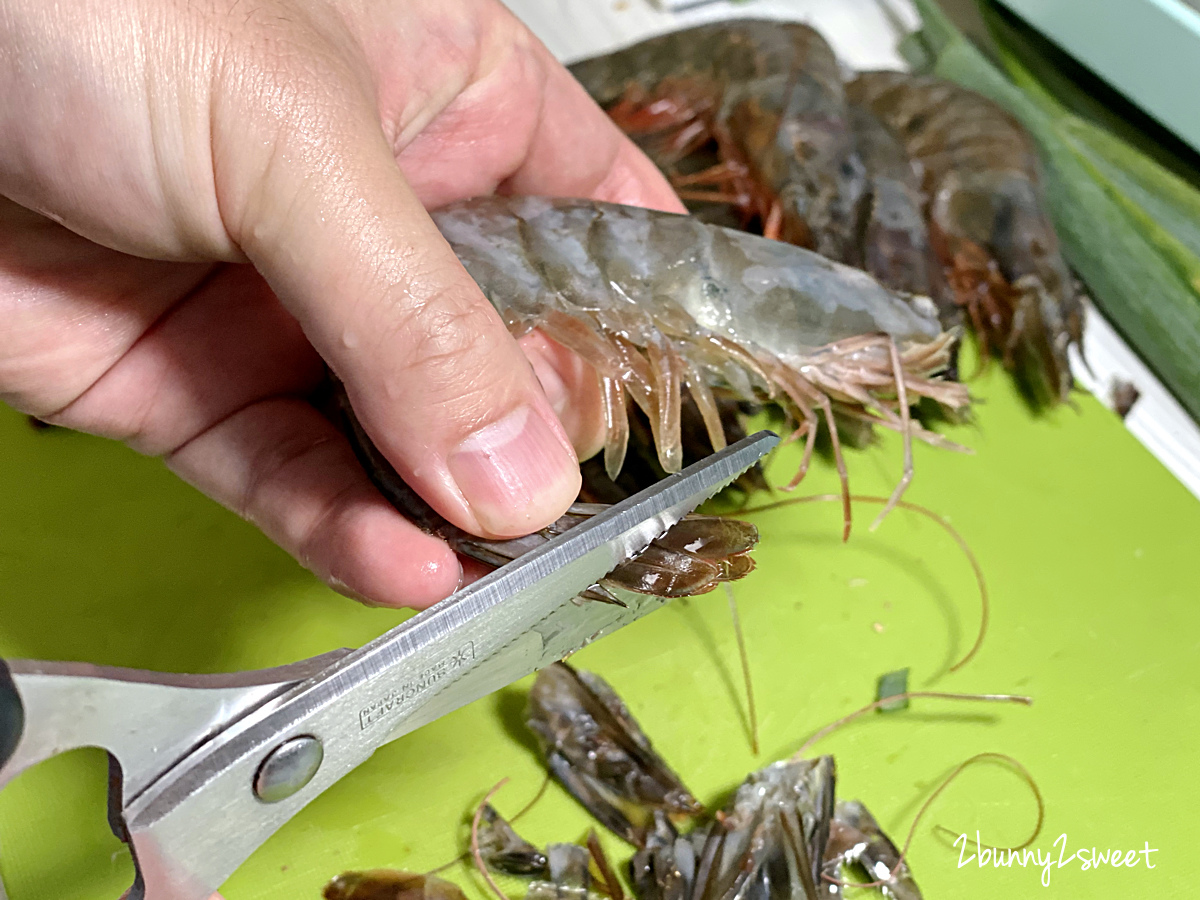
432 372
227 345
577 151
282 466
526 126
573 389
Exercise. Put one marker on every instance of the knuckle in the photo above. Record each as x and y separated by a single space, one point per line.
273 474
446 348
323 532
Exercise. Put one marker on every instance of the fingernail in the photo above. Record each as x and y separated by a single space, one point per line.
516 474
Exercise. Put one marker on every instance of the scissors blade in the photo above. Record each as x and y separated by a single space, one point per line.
539 622
200 820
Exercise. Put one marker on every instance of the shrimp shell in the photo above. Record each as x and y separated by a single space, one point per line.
771 95
771 839
657 302
987 221
569 877
503 850
596 749
390 884
894 237
855 839
782 835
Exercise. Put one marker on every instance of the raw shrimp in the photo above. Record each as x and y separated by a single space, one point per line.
987 222
770 94
893 235
656 301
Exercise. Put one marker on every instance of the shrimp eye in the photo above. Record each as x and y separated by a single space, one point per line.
711 289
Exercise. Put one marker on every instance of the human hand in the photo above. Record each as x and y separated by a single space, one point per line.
206 200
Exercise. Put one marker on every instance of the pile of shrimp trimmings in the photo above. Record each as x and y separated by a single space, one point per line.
784 817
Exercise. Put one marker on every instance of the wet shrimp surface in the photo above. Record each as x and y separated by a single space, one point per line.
628 265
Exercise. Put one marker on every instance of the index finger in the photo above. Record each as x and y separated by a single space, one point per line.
577 151
543 135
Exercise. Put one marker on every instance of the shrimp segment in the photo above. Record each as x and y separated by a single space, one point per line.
997 248
657 301
894 236
770 95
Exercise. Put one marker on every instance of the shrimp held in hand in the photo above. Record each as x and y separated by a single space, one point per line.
658 302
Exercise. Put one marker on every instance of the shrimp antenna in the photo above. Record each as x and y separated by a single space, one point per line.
612 885
907 695
478 857
524 809
751 714
533 802
978 757
984 602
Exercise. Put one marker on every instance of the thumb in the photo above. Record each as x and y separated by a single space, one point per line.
440 385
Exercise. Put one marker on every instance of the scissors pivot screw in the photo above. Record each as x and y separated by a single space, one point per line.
287 768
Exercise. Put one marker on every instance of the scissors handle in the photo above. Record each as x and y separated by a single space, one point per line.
210 766
145 720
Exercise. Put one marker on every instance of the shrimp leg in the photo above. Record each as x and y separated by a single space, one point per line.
906 430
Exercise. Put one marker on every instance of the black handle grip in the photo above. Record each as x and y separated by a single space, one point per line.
12 714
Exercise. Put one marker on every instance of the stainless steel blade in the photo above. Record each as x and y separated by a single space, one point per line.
202 819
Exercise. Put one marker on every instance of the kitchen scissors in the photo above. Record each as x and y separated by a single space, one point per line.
204 768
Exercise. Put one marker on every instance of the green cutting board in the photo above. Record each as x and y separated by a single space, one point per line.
1091 551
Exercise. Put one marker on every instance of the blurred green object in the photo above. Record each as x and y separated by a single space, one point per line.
890 685
1088 543
1129 226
